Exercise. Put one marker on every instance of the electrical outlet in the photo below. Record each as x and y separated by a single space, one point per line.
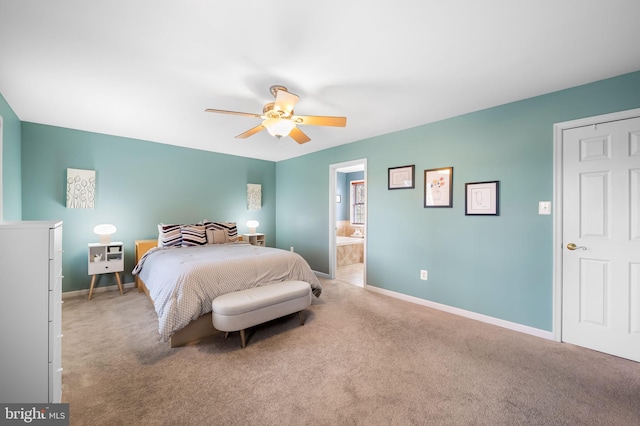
424 274
544 207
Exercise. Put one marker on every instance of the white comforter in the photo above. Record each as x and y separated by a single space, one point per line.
183 281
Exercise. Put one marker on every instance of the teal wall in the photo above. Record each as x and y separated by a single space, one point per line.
139 184
11 163
500 266
497 266
343 181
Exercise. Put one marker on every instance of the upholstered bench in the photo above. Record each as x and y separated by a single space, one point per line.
242 309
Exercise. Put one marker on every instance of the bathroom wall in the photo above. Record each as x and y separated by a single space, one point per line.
343 189
345 229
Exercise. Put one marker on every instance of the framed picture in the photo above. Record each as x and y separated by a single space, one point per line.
254 196
481 198
402 177
438 187
81 189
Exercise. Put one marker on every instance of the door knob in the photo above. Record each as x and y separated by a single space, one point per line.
572 246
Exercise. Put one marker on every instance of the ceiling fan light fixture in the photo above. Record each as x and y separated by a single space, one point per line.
278 127
279 119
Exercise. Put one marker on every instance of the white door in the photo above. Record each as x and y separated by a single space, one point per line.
601 237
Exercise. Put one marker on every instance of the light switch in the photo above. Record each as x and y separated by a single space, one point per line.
544 207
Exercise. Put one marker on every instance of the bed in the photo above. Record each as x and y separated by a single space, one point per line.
183 281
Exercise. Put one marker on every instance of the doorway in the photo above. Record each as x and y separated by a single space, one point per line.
597 233
347 221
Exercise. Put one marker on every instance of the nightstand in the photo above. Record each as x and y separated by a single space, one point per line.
105 259
255 239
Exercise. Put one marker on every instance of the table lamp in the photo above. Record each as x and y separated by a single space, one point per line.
104 231
252 225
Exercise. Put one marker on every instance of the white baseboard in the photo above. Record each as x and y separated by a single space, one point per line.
428 303
464 313
85 291
321 274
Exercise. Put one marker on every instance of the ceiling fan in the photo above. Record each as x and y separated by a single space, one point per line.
279 120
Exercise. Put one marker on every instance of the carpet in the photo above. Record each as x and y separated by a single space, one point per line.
361 358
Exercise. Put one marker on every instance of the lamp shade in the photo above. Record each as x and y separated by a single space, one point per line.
252 225
104 231
278 127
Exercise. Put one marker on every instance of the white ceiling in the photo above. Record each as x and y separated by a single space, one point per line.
147 69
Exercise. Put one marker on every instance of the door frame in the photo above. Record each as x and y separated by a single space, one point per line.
1 166
333 170
558 247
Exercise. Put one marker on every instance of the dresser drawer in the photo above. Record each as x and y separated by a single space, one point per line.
55 382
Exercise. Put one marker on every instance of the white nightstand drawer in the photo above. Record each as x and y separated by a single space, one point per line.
105 267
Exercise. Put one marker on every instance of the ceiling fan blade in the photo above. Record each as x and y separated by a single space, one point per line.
315 120
223 111
299 136
285 102
250 132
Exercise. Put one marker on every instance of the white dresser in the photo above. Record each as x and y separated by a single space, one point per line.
31 312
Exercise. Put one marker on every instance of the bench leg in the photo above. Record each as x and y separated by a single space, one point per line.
242 339
300 317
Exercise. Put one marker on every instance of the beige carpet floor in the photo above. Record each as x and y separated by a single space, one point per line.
361 359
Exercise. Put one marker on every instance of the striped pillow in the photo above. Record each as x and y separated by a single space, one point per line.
193 235
169 235
230 228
